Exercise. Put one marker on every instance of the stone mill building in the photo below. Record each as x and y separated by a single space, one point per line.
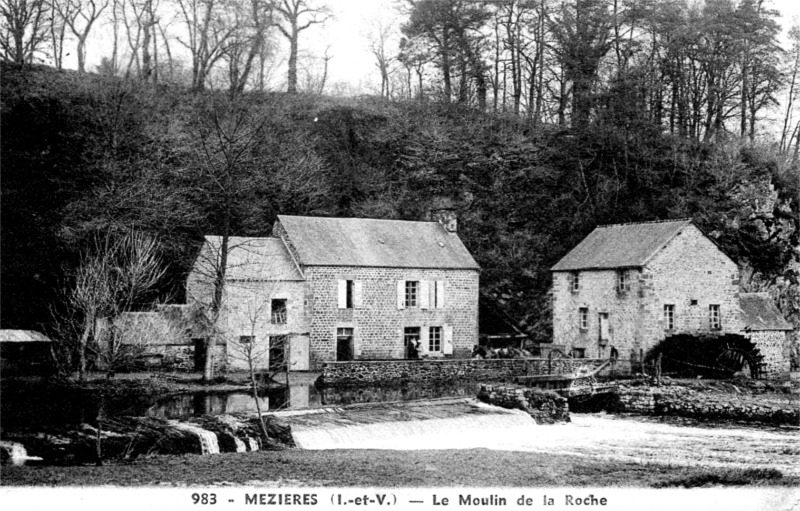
331 289
626 287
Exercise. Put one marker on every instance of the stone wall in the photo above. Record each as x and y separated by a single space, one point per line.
449 369
378 323
546 407
180 357
775 347
247 311
684 402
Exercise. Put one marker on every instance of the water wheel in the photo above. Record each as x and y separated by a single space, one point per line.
739 361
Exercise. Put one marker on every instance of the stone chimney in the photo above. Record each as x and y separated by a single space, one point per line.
445 216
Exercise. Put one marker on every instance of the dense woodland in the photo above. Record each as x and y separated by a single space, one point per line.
538 120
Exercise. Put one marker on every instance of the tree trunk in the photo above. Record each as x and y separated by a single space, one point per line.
216 304
83 343
292 77
254 389
82 54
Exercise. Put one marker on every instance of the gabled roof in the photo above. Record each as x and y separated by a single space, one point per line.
375 243
620 245
23 336
760 313
249 259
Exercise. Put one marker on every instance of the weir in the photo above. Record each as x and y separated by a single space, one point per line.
454 432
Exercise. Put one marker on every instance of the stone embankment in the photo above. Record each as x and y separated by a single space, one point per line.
131 437
545 406
682 401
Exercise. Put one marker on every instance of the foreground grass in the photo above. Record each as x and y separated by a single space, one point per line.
367 468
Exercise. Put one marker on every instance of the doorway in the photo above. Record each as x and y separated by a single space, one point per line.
200 350
344 344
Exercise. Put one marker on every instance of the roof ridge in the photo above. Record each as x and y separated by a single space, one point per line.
362 218
688 219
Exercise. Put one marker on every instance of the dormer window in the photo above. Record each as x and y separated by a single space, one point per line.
623 282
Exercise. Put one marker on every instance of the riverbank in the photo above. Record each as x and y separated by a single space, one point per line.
745 401
369 468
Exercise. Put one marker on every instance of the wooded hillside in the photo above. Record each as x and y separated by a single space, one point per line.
84 155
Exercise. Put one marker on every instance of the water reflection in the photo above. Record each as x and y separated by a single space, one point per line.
297 397
35 408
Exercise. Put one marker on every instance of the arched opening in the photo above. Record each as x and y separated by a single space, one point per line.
709 356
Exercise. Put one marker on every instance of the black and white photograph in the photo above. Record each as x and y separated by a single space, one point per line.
494 254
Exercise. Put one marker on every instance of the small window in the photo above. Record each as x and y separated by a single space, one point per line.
692 302
623 281
578 352
583 318
713 317
669 316
247 339
412 293
435 338
278 312
575 282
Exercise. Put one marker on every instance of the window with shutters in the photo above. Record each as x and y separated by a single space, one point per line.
278 308
714 317
437 294
669 316
349 294
412 293
435 338
350 286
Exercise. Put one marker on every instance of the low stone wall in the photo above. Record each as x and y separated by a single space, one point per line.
546 407
447 369
180 357
684 402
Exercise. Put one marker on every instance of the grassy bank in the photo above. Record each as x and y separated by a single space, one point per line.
362 468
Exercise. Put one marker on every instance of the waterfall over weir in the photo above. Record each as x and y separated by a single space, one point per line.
209 443
473 430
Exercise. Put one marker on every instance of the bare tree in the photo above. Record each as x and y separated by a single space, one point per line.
58 31
207 32
219 176
80 16
111 278
297 16
250 41
379 36
22 29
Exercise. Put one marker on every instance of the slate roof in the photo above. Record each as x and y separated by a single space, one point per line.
250 259
23 336
375 243
620 245
760 313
